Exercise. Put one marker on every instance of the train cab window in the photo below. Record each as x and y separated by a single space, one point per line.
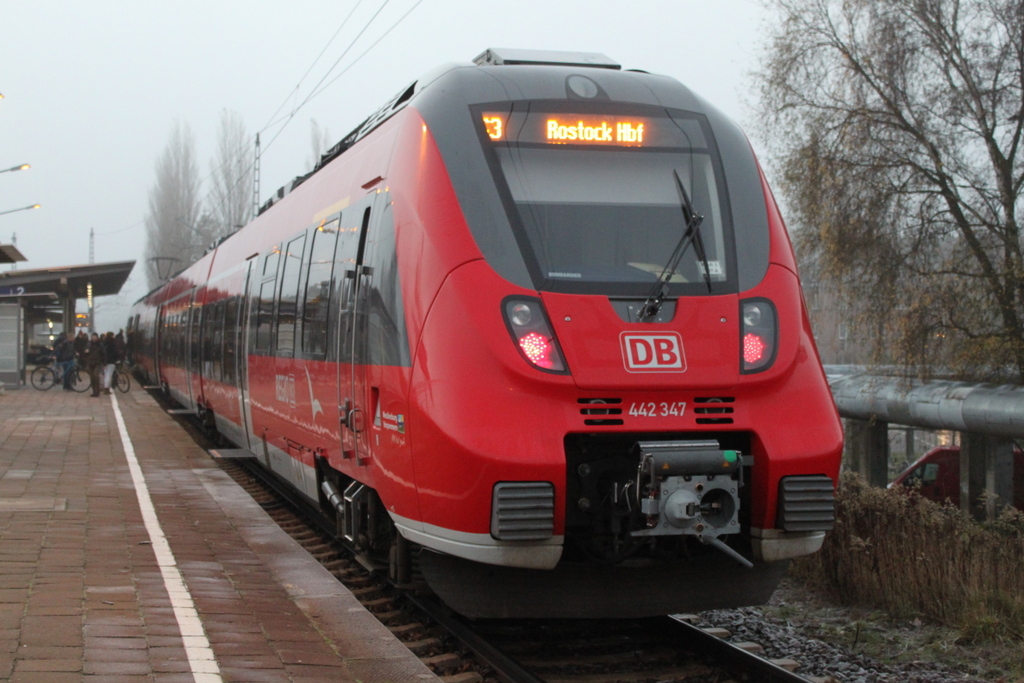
596 195
318 290
287 307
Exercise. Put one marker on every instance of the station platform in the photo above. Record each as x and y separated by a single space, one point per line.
126 554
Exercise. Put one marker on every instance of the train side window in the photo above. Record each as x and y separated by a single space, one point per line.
288 304
931 473
175 339
208 327
230 338
265 316
318 290
194 336
270 263
217 343
170 339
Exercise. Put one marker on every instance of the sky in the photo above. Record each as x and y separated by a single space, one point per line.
92 89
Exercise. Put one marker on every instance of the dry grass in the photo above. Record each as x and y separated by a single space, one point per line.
912 557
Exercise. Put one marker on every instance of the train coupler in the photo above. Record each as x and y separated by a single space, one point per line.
690 488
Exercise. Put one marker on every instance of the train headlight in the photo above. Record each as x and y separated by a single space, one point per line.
520 315
758 335
532 334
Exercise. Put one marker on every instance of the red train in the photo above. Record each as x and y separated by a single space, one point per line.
534 331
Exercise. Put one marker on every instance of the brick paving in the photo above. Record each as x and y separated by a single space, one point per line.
82 597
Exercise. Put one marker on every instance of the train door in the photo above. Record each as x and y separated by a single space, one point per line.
356 404
195 311
158 347
241 356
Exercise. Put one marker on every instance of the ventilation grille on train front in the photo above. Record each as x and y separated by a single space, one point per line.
523 511
711 410
806 503
598 407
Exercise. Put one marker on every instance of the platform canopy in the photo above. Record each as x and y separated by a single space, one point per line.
10 254
106 278
49 291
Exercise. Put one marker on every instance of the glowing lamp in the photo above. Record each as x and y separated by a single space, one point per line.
537 349
753 348
759 334
532 334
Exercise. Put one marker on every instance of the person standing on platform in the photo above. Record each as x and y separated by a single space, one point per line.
64 353
81 344
121 347
109 360
94 358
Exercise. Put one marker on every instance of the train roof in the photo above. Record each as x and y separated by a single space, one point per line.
547 62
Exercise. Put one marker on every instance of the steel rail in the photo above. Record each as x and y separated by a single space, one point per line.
505 668
759 668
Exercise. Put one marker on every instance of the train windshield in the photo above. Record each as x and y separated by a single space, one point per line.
593 196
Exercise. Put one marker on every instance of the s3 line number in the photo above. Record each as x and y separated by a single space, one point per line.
663 409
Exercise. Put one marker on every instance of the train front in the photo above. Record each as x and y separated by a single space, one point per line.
617 408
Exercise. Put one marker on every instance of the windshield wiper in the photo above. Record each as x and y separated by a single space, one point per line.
652 305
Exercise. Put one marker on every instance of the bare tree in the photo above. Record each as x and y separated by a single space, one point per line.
897 127
320 141
175 223
231 170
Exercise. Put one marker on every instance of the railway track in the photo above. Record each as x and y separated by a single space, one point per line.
666 649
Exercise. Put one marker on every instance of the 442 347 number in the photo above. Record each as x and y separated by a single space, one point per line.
653 409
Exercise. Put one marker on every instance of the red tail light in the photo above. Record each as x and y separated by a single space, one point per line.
528 325
537 349
753 348
758 335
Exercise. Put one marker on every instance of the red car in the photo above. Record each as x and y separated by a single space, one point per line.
937 474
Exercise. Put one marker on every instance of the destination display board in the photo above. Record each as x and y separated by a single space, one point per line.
575 129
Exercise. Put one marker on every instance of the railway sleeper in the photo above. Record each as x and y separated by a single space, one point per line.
379 604
443 662
407 630
464 677
424 646
390 618
651 656
368 592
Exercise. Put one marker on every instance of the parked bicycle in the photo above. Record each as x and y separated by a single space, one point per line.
121 379
46 376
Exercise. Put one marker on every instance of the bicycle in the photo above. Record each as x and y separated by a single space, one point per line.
46 376
121 379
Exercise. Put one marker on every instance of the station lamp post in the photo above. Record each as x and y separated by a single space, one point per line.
22 167
24 208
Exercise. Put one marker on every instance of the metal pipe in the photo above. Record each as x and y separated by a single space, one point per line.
937 404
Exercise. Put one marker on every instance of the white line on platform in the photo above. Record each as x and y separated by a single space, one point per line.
197 648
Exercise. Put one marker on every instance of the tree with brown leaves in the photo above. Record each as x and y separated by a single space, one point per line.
897 125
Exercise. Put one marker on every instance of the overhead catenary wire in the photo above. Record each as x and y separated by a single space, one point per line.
313 92
363 54
243 151
318 89
311 66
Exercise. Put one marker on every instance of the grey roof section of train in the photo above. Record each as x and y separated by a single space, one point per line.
471 84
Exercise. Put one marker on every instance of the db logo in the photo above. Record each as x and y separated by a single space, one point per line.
653 352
